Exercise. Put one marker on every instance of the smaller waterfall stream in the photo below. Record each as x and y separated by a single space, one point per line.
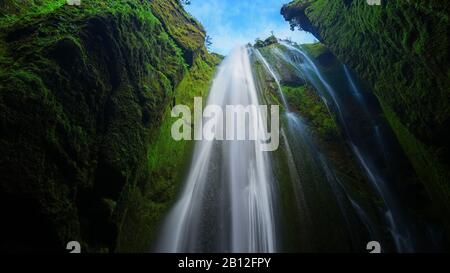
395 215
298 137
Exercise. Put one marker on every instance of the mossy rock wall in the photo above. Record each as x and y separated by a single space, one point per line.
401 49
83 93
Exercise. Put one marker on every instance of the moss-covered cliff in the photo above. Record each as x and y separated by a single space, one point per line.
401 49
83 93
301 233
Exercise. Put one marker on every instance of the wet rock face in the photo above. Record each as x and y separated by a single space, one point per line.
397 46
401 49
80 94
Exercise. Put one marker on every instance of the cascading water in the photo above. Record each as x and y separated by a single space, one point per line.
229 200
232 198
275 78
396 216
306 158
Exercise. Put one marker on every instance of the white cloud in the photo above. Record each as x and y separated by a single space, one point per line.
237 22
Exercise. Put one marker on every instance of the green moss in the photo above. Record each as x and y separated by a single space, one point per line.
301 232
315 49
187 32
426 163
306 101
287 74
166 153
401 50
399 47
167 162
271 40
84 92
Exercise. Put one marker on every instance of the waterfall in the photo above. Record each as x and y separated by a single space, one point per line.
228 201
395 214
308 156
232 195
275 78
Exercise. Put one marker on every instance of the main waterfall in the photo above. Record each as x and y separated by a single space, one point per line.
228 201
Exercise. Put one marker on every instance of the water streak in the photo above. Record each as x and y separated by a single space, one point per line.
228 203
361 147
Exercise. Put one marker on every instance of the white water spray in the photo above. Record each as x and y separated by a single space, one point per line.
228 201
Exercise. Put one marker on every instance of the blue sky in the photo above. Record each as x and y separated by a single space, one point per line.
237 22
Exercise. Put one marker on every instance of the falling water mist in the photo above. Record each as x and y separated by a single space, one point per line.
238 198
367 150
228 202
308 168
